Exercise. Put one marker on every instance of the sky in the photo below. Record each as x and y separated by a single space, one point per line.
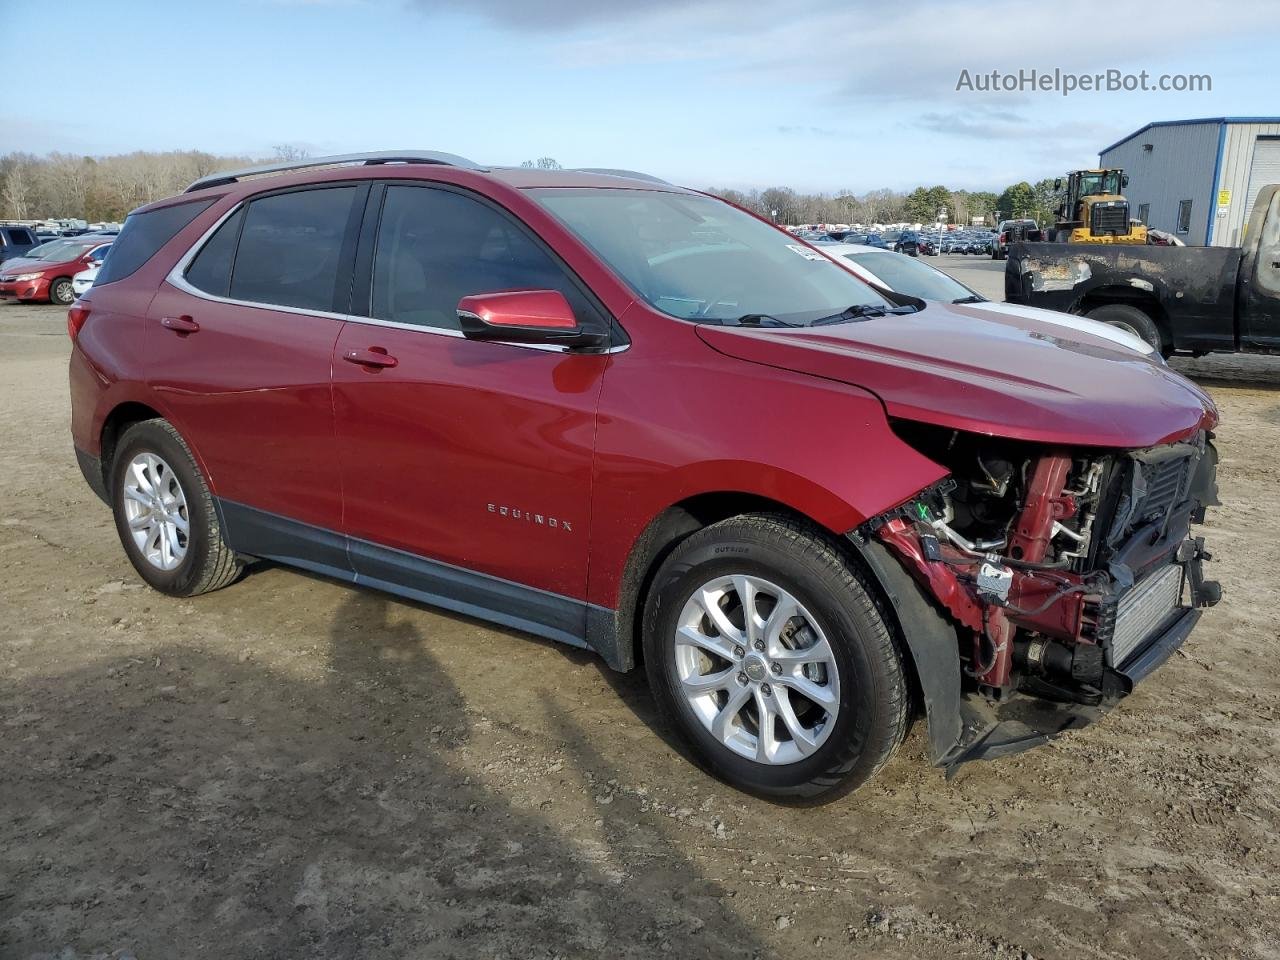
829 95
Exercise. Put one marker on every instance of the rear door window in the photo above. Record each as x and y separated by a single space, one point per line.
142 235
291 248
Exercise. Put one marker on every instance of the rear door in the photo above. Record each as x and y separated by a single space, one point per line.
466 465
240 342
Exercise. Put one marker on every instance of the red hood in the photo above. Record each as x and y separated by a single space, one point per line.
28 265
989 373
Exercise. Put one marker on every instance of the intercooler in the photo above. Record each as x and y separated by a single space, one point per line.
1143 611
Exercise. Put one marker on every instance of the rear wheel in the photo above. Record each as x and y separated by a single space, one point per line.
165 514
1131 320
766 649
61 293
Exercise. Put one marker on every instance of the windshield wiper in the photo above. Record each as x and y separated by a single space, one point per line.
861 311
973 299
751 320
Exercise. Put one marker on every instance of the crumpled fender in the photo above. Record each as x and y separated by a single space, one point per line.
931 642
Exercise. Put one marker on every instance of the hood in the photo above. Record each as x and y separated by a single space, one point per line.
1070 321
991 372
25 265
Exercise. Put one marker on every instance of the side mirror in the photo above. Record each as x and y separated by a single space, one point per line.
525 316
1057 184
1124 180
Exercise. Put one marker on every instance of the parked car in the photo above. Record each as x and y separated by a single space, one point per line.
1190 299
83 280
16 241
1014 231
904 275
46 272
637 419
906 243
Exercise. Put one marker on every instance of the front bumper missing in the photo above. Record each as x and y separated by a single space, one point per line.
1022 722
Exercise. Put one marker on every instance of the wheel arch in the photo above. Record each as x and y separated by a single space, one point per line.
1149 302
929 642
619 629
53 281
120 418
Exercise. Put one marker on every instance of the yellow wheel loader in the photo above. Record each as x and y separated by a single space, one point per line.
1094 210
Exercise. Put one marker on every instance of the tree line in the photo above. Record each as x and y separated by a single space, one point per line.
63 185
107 188
921 205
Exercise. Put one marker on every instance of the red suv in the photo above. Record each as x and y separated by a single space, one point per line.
634 418
44 273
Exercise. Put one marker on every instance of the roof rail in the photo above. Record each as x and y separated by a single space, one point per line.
632 174
226 177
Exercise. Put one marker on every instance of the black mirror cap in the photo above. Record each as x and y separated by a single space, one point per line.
574 338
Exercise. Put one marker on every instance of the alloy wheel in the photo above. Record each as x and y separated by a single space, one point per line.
756 669
155 507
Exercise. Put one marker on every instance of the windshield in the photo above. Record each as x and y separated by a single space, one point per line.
59 250
908 275
1096 183
700 259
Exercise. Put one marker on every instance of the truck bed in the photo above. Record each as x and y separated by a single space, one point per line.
1193 287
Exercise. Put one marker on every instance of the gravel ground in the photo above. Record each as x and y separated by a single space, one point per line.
295 768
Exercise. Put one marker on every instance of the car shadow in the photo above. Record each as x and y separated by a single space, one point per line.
191 802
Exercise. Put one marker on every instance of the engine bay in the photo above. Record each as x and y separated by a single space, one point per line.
1058 565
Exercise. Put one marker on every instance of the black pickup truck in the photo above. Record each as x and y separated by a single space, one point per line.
16 240
1191 299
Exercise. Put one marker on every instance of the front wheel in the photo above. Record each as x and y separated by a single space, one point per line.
768 651
61 292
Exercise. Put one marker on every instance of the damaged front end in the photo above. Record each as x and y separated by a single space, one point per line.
1069 575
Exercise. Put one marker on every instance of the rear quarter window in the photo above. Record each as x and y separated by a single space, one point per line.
142 235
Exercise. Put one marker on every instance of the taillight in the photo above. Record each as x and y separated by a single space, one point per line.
76 317
1004 238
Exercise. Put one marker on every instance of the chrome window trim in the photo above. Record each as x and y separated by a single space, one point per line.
177 278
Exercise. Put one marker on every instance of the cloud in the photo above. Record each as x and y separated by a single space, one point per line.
859 51
808 131
556 14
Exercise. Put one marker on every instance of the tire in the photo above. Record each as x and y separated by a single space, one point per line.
1132 319
863 673
206 562
61 293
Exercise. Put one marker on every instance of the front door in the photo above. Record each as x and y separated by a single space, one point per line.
466 466
1259 306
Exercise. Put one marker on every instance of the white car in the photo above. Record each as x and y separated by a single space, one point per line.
83 280
901 274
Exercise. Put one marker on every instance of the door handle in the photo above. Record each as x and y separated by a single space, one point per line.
180 324
373 357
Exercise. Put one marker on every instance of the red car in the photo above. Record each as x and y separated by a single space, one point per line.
44 274
634 418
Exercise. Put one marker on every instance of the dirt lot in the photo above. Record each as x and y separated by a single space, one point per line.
294 768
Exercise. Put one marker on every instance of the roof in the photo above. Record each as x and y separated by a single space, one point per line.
405 165
425 158
1187 123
